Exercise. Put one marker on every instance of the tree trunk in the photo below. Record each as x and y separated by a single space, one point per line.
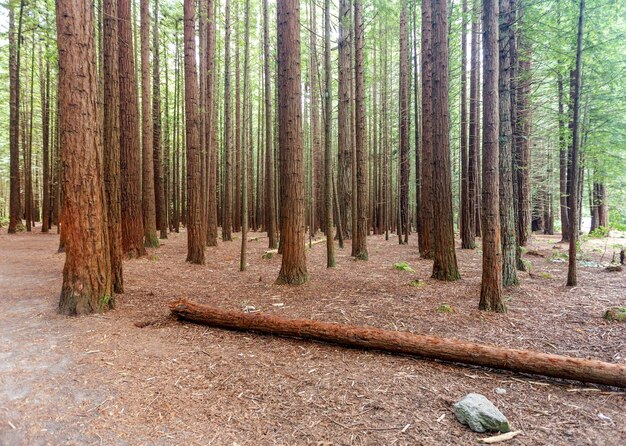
404 121
270 194
465 227
344 151
130 164
328 151
227 218
44 83
244 152
159 181
491 298
87 272
573 197
195 238
211 128
507 208
111 140
15 218
473 146
426 237
431 347
445 265
147 141
359 238
293 267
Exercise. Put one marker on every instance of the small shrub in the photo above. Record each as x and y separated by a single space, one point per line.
599 232
545 275
403 266
417 283
445 308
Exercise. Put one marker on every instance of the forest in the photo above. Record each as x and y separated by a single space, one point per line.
313 222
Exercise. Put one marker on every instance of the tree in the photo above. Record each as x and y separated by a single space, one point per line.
403 226
491 284
473 174
130 165
328 153
425 237
211 129
227 217
246 122
111 140
160 191
573 178
344 126
44 83
147 137
507 208
270 195
15 219
195 239
467 232
293 267
445 265
87 272
359 238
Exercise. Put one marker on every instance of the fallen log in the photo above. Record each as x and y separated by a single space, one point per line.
452 350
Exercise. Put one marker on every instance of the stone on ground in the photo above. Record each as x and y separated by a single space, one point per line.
477 412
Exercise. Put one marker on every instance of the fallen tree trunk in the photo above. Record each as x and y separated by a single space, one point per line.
525 361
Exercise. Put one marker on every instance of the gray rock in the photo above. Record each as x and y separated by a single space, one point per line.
480 414
500 390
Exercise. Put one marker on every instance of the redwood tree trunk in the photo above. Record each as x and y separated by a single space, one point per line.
195 240
445 265
344 151
507 208
147 146
426 236
130 164
403 227
491 298
87 272
111 140
293 267
227 212
270 193
15 218
159 179
359 239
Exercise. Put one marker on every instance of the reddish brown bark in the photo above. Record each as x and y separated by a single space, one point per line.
227 213
344 151
403 225
359 238
15 219
445 265
453 350
147 135
87 271
426 241
195 238
293 267
160 191
491 298
270 193
111 140
130 164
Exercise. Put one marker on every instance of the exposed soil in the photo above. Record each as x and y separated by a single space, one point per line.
136 376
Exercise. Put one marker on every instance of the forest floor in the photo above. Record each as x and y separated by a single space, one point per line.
103 380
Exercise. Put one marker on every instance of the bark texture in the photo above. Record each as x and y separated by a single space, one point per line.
453 350
87 271
293 267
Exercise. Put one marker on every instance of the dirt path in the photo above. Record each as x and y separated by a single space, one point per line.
103 380
41 398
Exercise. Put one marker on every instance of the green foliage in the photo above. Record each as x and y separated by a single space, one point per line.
558 256
403 266
545 275
417 283
599 232
616 314
445 308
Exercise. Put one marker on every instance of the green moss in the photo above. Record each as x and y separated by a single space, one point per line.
545 275
403 266
417 283
615 314
445 308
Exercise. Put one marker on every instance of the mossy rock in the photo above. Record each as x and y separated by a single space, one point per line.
268 255
445 308
615 314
